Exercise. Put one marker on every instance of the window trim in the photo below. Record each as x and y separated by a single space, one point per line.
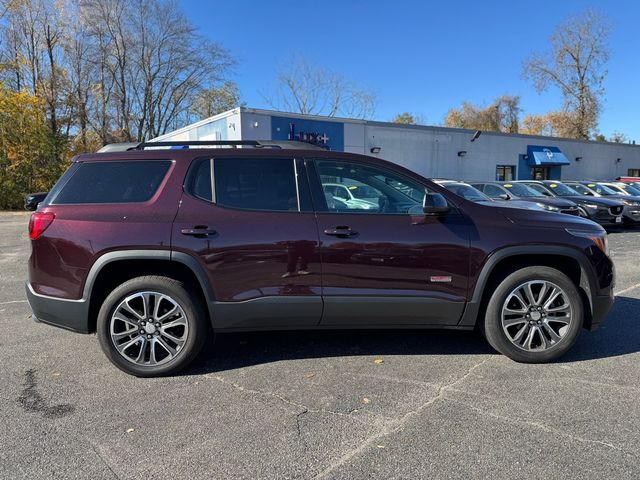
153 198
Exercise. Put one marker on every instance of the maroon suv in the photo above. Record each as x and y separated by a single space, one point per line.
154 249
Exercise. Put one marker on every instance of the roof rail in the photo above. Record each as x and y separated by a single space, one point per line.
279 144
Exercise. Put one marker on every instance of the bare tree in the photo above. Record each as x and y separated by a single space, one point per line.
212 101
576 66
501 116
303 87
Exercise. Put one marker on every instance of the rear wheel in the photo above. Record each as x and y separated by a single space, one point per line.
151 326
534 315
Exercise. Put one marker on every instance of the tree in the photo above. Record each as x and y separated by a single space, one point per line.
619 137
406 118
28 160
211 101
551 124
501 116
306 88
576 66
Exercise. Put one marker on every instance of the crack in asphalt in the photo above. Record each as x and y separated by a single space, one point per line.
303 409
104 462
397 425
541 426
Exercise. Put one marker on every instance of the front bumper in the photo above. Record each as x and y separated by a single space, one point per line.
69 314
600 306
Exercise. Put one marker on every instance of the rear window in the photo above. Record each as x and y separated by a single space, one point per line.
113 182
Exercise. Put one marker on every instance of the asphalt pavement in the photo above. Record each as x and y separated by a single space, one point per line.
407 404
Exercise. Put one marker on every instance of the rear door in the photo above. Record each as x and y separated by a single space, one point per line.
384 262
249 222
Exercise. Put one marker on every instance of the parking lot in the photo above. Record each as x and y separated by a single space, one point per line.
408 404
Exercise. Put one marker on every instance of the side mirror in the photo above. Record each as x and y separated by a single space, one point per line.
434 204
504 196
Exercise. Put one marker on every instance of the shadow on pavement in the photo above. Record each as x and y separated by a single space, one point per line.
619 335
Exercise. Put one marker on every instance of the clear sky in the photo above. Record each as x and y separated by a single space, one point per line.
421 56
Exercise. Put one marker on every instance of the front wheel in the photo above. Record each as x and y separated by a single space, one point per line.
151 326
534 315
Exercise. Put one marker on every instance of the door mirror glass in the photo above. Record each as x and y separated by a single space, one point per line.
434 204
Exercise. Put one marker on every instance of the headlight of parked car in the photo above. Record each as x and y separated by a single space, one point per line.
631 203
551 208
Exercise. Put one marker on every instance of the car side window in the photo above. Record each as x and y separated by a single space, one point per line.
361 188
249 184
539 188
493 191
580 189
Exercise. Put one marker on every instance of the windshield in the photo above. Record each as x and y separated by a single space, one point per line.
601 189
521 190
363 191
562 190
630 190
467 192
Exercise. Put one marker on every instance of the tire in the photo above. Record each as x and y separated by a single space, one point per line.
164 346
550 336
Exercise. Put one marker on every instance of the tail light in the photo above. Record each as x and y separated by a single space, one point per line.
39 222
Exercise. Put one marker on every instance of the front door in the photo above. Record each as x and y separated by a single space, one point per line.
385 262
250 224
540 173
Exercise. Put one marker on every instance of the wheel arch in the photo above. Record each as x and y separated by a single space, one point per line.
114 268
498 265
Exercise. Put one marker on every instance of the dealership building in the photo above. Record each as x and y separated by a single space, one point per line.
435 152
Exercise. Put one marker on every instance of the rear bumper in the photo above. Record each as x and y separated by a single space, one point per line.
69 314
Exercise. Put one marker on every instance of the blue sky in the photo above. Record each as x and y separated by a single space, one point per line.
420 56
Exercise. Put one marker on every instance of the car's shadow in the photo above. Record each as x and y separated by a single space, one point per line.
619 335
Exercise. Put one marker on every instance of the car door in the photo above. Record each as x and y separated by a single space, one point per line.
249 223
391 264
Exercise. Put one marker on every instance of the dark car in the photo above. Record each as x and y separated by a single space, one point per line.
520 192
32 200
602 210
471 193
631 211
154 249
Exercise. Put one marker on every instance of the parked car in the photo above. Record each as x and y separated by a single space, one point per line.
601 210
520 192
352 196
32 200
631 211
153 249
623 188
469 192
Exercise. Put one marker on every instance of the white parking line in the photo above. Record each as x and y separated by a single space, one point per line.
633 287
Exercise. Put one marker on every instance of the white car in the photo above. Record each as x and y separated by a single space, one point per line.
360 197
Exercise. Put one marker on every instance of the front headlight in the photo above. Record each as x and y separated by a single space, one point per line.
600 239
550 208
631 203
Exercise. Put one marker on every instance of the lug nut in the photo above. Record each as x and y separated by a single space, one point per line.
141 332
149 336
143 322
157 324
527 315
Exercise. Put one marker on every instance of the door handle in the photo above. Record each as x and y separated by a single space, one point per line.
341 231
198 232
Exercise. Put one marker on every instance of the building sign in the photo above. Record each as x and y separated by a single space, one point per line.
329 135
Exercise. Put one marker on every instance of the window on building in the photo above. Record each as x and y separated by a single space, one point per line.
633 172
505 173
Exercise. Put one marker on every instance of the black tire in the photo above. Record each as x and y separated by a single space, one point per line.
493 329
196 320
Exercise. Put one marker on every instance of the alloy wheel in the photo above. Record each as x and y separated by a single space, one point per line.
149 328
536 315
